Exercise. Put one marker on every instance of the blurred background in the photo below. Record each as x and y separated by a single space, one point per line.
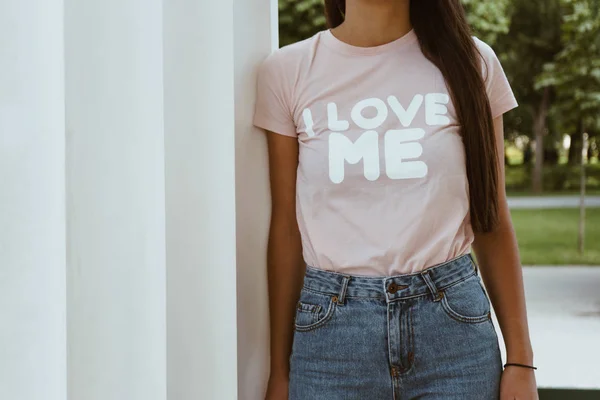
550 51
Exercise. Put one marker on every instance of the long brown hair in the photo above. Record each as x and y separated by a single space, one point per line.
446 40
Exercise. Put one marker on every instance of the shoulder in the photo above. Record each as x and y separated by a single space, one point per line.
496 81
490 62
485 50
288 58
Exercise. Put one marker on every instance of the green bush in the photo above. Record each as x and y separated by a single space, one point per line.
556 179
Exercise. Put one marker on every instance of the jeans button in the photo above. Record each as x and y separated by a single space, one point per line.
392 287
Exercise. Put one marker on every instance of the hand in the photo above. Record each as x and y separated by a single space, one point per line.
277 389
518 383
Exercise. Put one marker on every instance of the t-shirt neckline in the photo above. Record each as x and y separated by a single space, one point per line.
331 41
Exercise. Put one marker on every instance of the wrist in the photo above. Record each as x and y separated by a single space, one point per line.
520 366
522 356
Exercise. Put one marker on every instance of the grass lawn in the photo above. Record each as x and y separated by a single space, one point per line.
549 237
592 192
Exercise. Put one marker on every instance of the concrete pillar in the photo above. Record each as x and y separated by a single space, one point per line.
32 201
200 193
217 199
256 35
115 198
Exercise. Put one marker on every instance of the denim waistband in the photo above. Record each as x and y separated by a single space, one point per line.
426 282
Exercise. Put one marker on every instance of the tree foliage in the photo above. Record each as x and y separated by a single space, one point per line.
532 42
300 19
489 19
574 72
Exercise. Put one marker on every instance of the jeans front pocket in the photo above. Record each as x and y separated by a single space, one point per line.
314 309
466 301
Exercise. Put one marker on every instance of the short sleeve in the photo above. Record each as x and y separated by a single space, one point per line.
272 107
499 91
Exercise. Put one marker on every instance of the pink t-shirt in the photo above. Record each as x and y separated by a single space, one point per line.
382 186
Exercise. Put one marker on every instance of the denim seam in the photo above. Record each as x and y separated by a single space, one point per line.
457 281
410 344
412 336
316 291
326 318
367 297
311 308
389 347
462 318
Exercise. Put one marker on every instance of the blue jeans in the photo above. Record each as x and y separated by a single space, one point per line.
426 335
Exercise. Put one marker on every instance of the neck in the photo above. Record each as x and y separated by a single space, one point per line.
374 22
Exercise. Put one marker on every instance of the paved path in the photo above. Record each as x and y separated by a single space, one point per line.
551 202
563 306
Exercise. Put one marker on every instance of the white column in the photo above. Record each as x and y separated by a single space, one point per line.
32 204
256 35
212 50
115 198
200 183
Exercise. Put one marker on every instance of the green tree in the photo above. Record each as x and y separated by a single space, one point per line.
575 75
532 42
575 72
300 19
489 19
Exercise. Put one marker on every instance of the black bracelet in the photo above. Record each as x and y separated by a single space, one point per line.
520 365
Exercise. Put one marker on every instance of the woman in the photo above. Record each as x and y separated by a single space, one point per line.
385 141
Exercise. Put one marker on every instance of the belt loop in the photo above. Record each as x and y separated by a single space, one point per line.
344 288
435 293
474 263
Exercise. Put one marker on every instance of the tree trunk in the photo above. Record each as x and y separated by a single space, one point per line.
575 149
551 155
539 128
581 238
528 153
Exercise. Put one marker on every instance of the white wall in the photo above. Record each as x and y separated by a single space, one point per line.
115 197
200 176
213 158
32 203
256 35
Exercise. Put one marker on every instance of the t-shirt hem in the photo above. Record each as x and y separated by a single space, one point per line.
275 127
507 103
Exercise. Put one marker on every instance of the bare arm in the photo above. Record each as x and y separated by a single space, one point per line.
498 257
285 265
